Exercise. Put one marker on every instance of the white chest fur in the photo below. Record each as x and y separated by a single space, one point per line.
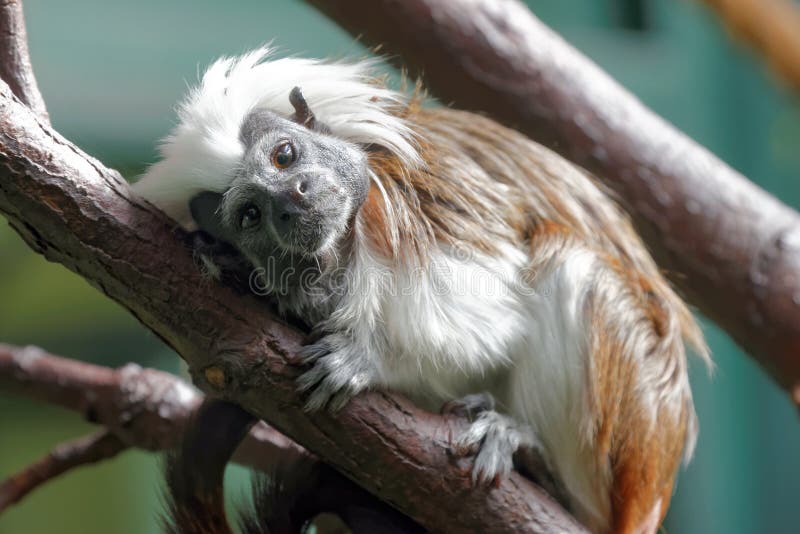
470 324
458 322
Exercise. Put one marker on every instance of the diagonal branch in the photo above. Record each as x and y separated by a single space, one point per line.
732 248
145 408
15 62
82 451
71 209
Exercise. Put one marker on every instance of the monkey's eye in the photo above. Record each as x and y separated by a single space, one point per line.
249 217
283 155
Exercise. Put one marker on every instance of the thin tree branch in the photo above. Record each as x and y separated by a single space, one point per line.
71 209
15 62
771 27
733 249
151 409
69 455
145 408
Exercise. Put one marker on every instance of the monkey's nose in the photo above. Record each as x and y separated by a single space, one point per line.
296 196
299 189
295 199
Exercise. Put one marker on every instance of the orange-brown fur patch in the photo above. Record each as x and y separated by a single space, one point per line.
519 183
483 185
450 200
643 455
375 225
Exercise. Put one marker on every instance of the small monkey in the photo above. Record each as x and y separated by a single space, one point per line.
453 260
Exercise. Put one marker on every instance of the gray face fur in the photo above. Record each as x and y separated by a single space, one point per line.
295 194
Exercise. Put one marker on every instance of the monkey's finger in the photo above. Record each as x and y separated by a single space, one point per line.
311 353
491 466
481 478
319 398
470 441
311 378
463 448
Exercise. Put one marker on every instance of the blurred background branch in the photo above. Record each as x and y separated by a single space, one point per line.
771 27
69 455
140 407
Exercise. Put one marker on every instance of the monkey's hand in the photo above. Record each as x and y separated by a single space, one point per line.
340 371
219 260
492 437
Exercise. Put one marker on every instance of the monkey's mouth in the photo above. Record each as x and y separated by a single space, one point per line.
309 236
302 242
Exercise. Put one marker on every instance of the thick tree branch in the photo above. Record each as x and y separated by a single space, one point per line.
82 451
15 62
733 249
71 209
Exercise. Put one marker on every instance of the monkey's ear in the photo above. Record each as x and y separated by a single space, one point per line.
205 208
303 114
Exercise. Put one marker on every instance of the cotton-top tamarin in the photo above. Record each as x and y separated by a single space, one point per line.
449 258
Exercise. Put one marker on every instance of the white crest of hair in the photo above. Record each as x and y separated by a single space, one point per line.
204 151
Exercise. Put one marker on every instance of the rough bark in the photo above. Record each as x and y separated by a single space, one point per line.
730 247
70 208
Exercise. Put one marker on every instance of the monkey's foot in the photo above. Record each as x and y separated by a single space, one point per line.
495 438
339 372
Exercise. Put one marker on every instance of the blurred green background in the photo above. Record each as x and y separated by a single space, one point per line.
111 73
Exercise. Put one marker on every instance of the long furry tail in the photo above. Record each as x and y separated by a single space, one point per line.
196 501
284 501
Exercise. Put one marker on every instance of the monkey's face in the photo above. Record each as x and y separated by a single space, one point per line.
296 191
